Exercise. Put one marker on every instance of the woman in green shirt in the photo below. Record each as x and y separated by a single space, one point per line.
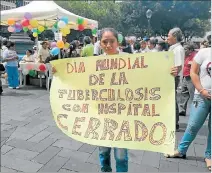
88 49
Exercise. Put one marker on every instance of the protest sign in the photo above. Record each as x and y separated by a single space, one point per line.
123 101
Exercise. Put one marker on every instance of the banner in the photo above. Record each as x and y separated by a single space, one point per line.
123 101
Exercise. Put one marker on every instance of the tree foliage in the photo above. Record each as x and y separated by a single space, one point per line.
129 17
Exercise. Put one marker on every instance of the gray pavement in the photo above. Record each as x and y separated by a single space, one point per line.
31 142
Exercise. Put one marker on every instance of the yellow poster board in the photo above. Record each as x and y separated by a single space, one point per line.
123 101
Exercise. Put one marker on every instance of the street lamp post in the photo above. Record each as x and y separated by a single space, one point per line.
148 16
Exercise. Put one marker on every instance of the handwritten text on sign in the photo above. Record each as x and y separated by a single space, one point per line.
124 101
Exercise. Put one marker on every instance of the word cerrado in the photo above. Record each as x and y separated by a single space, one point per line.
114 131
108 64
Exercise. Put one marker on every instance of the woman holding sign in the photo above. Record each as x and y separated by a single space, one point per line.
109 44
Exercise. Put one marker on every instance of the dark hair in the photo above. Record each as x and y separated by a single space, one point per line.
190 46
87 40
4 42
153 41
163 45
10 44
115 33
72 47
137 45
30 51
44 42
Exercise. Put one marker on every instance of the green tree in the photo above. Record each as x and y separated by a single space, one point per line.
129 17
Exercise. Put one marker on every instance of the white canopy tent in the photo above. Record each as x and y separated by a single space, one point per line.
46 12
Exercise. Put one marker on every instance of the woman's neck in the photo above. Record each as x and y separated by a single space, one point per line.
117 52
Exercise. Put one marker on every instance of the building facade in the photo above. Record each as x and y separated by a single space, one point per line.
10 4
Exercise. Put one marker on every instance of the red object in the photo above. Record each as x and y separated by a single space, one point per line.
81 27
29 66
42 68
25 22
187 63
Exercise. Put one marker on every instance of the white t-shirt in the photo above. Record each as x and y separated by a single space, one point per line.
28 58
203 58
179 56
97 48
44 53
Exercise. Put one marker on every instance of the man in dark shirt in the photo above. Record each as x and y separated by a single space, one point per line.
187 90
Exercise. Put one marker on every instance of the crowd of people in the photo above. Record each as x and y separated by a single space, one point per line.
192 71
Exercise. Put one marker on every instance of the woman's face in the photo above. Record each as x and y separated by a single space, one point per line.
109 43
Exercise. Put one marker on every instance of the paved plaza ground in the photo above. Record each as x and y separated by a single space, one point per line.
31 142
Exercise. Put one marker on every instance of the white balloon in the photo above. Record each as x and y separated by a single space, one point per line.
61 24
25 71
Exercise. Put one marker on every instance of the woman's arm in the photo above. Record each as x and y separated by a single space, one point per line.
194 73
9 59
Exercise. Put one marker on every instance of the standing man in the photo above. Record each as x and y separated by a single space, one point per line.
174 39
187 91
43 52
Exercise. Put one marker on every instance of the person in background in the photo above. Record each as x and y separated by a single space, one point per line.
4 44
97 47
187 87
78 48
66 44
4 48
201 106
131 43
94 39
65 50
152 45
35 52
161 46
88 49
175 36
72 50
204 44
51 58
125 46
136 47
2 69
28 57
11 58
43 53
143 46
